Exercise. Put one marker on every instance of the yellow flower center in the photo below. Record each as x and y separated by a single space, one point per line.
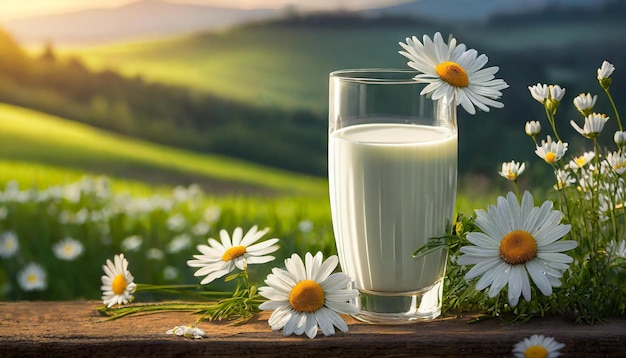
119 284
550 157
518 247
580 161
535 352
306 296
233 253
511 176
31 278
452 73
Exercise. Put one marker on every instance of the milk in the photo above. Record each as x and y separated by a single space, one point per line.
392 187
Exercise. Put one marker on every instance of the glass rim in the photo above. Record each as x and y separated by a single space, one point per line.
376 75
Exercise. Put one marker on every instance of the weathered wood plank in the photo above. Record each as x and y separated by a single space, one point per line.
68 329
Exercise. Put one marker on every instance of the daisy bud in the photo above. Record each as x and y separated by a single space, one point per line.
584 103
554 99
532 128
604 72
620 138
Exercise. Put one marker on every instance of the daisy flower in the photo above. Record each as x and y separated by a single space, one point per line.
308 295
8 244
68 249
511 170
594 123
540 92
617 160
452 71
218 259
551 151
186 331
563 179
538 346
117 285
584 103
556 92
32 278
532 128
605 71
581 161
515 242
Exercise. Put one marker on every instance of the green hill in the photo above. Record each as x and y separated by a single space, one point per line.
28 136
286 63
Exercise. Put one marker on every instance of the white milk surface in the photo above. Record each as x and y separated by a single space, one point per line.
392 187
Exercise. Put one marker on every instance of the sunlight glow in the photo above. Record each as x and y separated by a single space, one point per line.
12 9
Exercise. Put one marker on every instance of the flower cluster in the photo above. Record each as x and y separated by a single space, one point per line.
589 193
306 296
518 248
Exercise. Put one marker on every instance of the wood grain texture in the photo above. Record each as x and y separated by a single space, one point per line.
75 329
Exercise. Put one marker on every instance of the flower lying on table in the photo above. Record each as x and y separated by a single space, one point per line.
537 346
306 296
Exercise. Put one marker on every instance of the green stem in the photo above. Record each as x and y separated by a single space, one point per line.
552 124
619 122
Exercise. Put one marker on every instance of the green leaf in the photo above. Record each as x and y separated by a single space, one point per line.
433 244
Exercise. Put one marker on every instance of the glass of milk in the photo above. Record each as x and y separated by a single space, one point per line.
392 167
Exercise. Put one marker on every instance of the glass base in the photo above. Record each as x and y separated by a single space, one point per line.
400 308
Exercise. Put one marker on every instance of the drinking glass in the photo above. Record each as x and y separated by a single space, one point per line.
392 180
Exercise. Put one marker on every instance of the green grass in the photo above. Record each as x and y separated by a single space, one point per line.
30 136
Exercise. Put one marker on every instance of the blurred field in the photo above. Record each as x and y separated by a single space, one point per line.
31 136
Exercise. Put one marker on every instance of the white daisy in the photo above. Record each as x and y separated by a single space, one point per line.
582 160
563 179
32 278
517 241
308 295
551 151
556 92
451 71
186 331
538 346
584 103
8 244
218 259
605 71
594 123
540 92
532 128
617 160
68 249
117 285
511 170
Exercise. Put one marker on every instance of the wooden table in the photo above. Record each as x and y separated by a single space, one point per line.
71 329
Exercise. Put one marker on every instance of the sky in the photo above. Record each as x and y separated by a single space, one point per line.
12 9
